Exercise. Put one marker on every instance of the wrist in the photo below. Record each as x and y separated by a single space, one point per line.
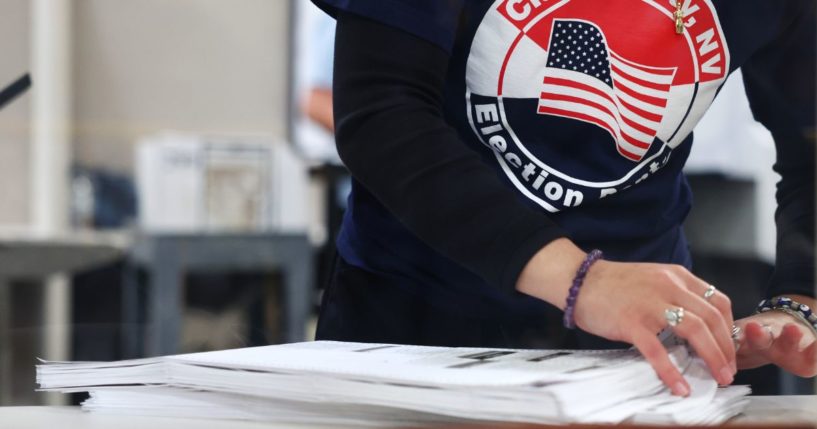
578 281
803 299
549 273
798 308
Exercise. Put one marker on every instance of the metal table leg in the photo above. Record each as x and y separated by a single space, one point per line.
297 289
132 333
5 341
164 300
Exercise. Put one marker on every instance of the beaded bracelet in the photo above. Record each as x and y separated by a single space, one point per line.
578 280
789 306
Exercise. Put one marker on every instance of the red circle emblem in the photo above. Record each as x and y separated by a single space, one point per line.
614 71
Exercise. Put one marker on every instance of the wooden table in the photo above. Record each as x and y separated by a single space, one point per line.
763 412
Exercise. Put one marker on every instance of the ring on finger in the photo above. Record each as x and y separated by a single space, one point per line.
736 331
710 291
674 316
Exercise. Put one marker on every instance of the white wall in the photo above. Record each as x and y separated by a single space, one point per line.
729 142
196 65
140 66
14 118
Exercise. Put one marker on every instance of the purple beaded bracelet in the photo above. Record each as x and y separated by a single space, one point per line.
570 308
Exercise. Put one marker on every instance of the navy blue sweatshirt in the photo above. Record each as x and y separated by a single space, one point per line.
477 131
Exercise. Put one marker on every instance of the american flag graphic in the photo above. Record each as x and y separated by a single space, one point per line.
587 81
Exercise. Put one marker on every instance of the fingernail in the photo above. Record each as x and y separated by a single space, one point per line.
726 376
734 366
680 389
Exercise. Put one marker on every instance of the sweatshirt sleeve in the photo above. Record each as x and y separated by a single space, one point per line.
392 135
432 20
780 83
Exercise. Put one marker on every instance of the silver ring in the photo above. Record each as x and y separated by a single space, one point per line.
674 316
736 331
709 292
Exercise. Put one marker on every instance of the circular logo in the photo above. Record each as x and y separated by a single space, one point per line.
581 99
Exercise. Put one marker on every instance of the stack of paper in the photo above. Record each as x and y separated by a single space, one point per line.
390 385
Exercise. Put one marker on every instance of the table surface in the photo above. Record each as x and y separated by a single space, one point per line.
770 410
25 254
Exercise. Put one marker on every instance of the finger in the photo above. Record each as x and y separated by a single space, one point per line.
654 352
758 337
697 333
802 363
747 356
786 352
785 345
809 367
721 332
789 339
724 305
719 300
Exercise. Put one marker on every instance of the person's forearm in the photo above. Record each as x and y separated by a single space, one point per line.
549 274
392 135
318 107
802 299
780 85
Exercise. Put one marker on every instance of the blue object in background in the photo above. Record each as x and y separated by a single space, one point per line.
102 199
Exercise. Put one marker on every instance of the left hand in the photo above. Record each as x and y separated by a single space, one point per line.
778 338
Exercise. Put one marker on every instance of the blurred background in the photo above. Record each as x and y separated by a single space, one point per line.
169 183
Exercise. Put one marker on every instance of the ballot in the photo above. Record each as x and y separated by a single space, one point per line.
356 384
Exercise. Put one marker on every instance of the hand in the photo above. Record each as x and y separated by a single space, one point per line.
626 302
778 338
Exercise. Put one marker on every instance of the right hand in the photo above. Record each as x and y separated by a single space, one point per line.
626 302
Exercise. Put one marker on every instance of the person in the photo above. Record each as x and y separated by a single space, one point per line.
514 156
317 100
